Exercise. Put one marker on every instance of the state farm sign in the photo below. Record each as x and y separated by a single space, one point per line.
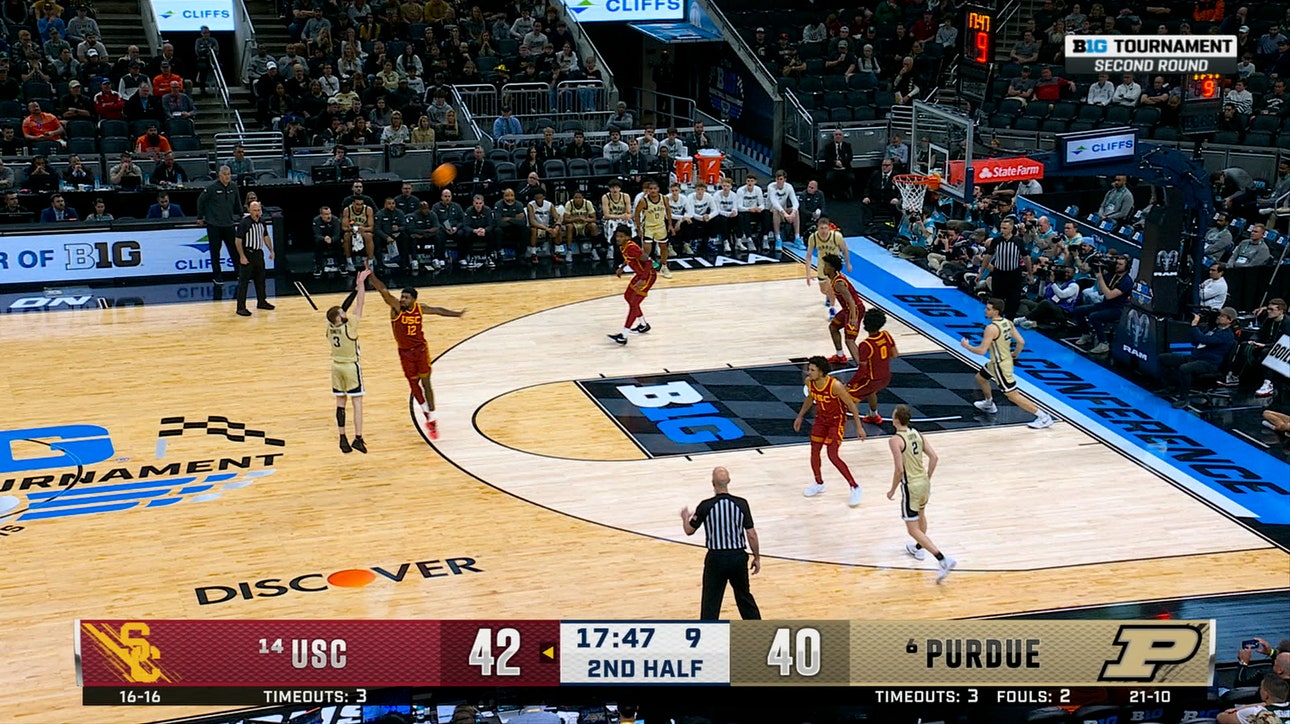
995 170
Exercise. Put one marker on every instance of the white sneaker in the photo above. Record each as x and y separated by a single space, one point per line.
1265 390
1042 420
1269 425
918 553
1100 348
986 406
946 565
349 266
725 246
854 500
1085 339
1027 324
813 490
665 273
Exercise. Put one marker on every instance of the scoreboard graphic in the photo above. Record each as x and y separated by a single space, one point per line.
277 662
1186 54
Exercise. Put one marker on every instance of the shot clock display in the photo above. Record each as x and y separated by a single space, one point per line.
978 35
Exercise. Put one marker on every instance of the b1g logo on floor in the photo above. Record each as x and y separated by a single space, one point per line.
680 412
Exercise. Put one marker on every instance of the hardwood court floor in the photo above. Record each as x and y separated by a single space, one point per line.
564 516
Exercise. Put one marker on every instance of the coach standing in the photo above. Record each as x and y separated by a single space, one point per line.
219 209
727 525
251 240
1004 259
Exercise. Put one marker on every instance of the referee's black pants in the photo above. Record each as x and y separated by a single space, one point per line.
1007 285
251 271
220 238
720 568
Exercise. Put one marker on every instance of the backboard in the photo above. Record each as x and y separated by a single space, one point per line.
941 141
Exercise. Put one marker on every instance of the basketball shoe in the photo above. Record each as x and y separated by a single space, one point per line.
946 565
813 490
918 553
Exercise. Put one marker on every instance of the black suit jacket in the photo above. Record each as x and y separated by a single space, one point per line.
134 110
481 171
880 191
831 155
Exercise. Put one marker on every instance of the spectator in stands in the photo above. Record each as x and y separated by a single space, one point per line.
1267 47
1026 50
815 32
82 25
905 84
897 150
125 174
13 212
58 211
1252 251
206 51
339 157
837 164
633 165
481 171
1218 238
40 126
423 135
10 143
1157 94
55 45
1280 65
239 165
152 142
1211 349
699 139
547 149
130 82
177 104
1094 319
380 116
108 104
1023 86
64 67
1127 92
451 129
1277 102
1117 204
1213 291
881 196
621 120
1050 88
1056 303
76 106
648 143
506 126
100 215
89 48
168 173
1101 92
530 164
1239 97
614 149
144 106
163 209
6 176
842 62
123 63
293 57
51 21
579 148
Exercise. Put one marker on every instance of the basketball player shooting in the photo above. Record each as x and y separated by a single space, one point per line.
409 332
346 374
845 325
643 277
830 398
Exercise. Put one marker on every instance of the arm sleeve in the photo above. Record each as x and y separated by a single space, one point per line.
748 518
349 300
701 513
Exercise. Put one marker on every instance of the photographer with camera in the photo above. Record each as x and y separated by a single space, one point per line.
1057 301
1115 285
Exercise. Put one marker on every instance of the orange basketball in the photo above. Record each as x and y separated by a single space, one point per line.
444 175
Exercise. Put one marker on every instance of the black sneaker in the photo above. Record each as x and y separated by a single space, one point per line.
265 305
344 444
360 446
243 312
641 328
619 338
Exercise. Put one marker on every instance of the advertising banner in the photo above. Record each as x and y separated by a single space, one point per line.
103 255
191 15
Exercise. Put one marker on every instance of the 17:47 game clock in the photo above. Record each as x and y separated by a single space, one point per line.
978 35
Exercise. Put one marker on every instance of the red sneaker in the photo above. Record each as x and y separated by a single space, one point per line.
838 359
432 428
874 419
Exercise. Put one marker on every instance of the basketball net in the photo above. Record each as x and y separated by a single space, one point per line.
913 189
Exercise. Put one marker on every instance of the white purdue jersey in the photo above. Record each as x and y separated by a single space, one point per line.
680 207
750 198
727 202
542 214
702 207
784 199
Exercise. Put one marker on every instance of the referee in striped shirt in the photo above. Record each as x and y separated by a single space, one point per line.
727 526
1005 258
251 240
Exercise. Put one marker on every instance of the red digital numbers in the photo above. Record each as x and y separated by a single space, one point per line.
980 37
1208 88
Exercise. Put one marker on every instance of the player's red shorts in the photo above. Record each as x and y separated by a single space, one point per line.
840 321
415 361
828 431
640 290
861 386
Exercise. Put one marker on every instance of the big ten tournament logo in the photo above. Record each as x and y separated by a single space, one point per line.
76 256
1149 653
680 412
128 653
345 578
70 470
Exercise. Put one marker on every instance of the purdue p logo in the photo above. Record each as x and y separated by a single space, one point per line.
1144 649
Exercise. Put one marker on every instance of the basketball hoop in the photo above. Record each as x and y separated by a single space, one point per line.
913 189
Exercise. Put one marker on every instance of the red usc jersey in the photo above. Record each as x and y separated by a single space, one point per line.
828 406
848 289
643 273
409 331
877 350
